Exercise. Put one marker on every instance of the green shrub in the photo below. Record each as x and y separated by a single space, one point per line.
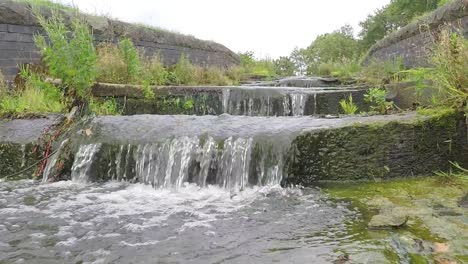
155 71
456 172
131 58
3 87
37 97
111 67
348 106
211 76
69 54
346 68
379 73
184 71
104 107
376 97
450 73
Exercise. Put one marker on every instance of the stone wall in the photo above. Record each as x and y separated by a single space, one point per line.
18 26
413 42
379 151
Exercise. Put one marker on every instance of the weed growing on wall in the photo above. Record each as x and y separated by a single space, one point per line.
36 97
348 106
69 54
376 97
450 61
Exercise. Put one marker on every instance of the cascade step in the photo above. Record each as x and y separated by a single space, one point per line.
234 100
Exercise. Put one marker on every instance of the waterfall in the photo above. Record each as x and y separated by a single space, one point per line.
232 163
298 104
83 161
51 162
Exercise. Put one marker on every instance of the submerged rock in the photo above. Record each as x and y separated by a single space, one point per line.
388 219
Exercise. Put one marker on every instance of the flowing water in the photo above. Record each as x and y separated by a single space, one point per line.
120 222
183 189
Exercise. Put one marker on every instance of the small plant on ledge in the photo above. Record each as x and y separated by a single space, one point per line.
348 106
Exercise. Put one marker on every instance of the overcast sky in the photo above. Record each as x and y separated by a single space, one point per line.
267 27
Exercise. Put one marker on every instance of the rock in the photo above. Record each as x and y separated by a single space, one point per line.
441 247
464 201
388 219
342 259
445 260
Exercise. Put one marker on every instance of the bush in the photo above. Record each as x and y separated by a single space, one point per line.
184 71
111 67
3 87
348 106
104 107
377 97
450 73
37 97
211 76
379 73
131 58
155 71
68 54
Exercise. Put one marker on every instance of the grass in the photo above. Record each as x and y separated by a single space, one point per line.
32 100
348 106
46 3
104 107
3 87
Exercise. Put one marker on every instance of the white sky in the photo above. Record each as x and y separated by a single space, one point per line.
269 28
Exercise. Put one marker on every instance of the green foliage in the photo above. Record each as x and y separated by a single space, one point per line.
69 55
131 59
188 105
111 67
450 74
211 76
104 107
379 73
37 97
3 87
252 67
392 17
285 66
455 173
348 106
155 71
376 97
329 48
46 3
184 71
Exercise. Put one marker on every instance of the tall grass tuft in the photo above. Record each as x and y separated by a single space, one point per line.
37 97
450 73
348 106
111 67
3 87
131 58
184 71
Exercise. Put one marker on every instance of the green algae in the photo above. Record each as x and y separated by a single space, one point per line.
426 201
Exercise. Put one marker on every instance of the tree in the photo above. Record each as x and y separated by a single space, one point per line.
285 66
392 17
331 47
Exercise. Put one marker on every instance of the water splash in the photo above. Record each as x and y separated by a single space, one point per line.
83 161
52 161
298 104
233 163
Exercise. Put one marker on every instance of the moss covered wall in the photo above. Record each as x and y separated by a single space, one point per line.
16 157
378 151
